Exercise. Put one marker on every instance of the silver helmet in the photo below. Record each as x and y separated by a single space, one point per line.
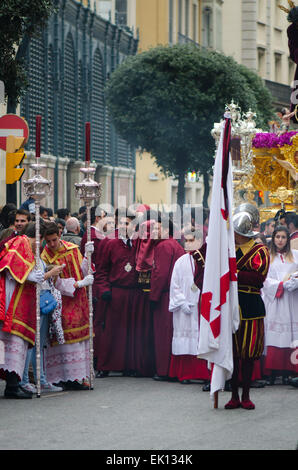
243 224
252 210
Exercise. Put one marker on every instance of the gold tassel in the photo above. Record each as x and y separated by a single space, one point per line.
292 4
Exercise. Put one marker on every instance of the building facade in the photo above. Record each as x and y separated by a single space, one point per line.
158 22
68 65
255 34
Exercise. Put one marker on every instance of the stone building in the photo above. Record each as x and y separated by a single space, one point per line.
68 65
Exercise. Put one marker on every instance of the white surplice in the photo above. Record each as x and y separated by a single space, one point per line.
281 321
68 361
185 326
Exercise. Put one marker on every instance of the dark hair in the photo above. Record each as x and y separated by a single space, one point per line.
50 211
11 218
62 213
60 221
51 229
24 212
166 223
287 249
92 214
5 212
268 222
82 209
194 233
30 230
124 212
291 217
262 237
281 214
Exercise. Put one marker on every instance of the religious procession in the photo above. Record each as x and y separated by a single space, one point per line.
203 290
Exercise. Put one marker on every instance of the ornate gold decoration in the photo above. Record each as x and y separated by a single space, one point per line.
290 152
269 175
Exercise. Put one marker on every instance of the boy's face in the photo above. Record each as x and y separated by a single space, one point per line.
191 243
53 241
20 222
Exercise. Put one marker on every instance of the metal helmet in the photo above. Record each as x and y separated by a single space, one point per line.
252 210
243 225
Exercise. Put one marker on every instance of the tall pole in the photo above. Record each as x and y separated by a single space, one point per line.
37 261
38 187
88 206
87 191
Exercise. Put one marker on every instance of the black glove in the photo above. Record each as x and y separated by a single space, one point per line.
107 296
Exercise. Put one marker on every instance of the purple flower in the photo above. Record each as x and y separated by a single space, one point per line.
285 139
265 139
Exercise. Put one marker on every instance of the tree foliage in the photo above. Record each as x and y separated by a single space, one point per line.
167 99
19 20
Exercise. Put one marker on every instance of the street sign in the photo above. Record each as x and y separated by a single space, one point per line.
11 124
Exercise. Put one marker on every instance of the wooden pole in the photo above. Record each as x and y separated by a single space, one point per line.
216 400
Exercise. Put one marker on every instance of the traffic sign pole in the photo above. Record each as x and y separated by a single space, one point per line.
12 125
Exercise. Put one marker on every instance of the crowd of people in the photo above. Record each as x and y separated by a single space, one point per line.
146 282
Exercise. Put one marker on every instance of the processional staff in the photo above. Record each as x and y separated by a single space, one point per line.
88 191
37 187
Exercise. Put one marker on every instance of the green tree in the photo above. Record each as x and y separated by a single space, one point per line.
166 100
19 21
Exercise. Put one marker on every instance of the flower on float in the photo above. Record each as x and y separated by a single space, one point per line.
265 140
286 138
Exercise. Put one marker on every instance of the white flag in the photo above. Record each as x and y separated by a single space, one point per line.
219 307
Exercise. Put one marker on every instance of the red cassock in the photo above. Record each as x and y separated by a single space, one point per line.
20 318
166 253
113 317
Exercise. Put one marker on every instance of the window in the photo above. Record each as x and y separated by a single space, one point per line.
277 14
180 17
195 22
278 71
262 11
291 71
186 18
171 20
121 12
207 27
105 9
261 62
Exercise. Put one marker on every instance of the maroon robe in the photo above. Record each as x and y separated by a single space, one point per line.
112 325
142 354
166 254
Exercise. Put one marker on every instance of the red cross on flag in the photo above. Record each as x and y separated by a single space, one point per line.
219 305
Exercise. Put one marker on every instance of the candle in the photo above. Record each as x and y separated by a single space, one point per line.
87 136
37 136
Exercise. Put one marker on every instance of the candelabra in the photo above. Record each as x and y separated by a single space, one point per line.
37 187
88 191
243 128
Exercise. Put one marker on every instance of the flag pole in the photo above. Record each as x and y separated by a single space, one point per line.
216 400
